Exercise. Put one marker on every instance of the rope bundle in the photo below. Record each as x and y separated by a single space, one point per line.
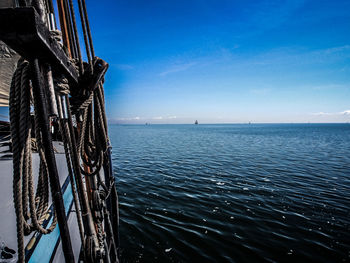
93 139
23 180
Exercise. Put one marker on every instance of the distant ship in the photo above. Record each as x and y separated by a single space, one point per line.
196 122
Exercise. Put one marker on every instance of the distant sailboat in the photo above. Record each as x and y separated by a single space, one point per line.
196 122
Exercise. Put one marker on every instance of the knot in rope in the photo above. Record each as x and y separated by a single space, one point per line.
62 85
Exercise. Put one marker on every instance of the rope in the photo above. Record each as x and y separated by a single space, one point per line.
81 104
62 88
72 42
93 139
23 180
92 147
90 151
83 24
68 150
81 69
62 85
88 30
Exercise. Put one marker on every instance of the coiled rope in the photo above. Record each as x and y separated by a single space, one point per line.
23 180
93 138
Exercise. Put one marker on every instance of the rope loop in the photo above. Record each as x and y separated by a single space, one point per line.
31 206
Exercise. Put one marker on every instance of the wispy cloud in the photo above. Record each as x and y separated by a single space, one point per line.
129 119
123 66
137 118
346 112
321 113
293 56
164 118
333 50
177 68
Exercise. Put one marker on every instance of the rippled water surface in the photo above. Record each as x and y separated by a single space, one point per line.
233 193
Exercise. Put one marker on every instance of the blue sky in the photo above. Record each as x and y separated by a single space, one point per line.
224 61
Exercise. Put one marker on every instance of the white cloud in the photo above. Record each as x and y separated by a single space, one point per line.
129 119
346 112
321 113
164 118
138 119
177 68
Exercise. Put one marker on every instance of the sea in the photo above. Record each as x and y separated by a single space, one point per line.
233 192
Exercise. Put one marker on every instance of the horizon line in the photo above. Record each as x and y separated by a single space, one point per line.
238 123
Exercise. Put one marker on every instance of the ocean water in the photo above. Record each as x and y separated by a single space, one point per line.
233 193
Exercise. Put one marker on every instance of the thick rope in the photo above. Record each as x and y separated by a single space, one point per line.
23 180
93 139
92 147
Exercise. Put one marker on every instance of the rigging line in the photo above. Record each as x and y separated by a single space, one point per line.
62 88
68 150
63 25
85 35
75 30
70 30
88 30
86 213
50 7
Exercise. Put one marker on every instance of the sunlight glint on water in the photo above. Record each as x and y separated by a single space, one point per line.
233 193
